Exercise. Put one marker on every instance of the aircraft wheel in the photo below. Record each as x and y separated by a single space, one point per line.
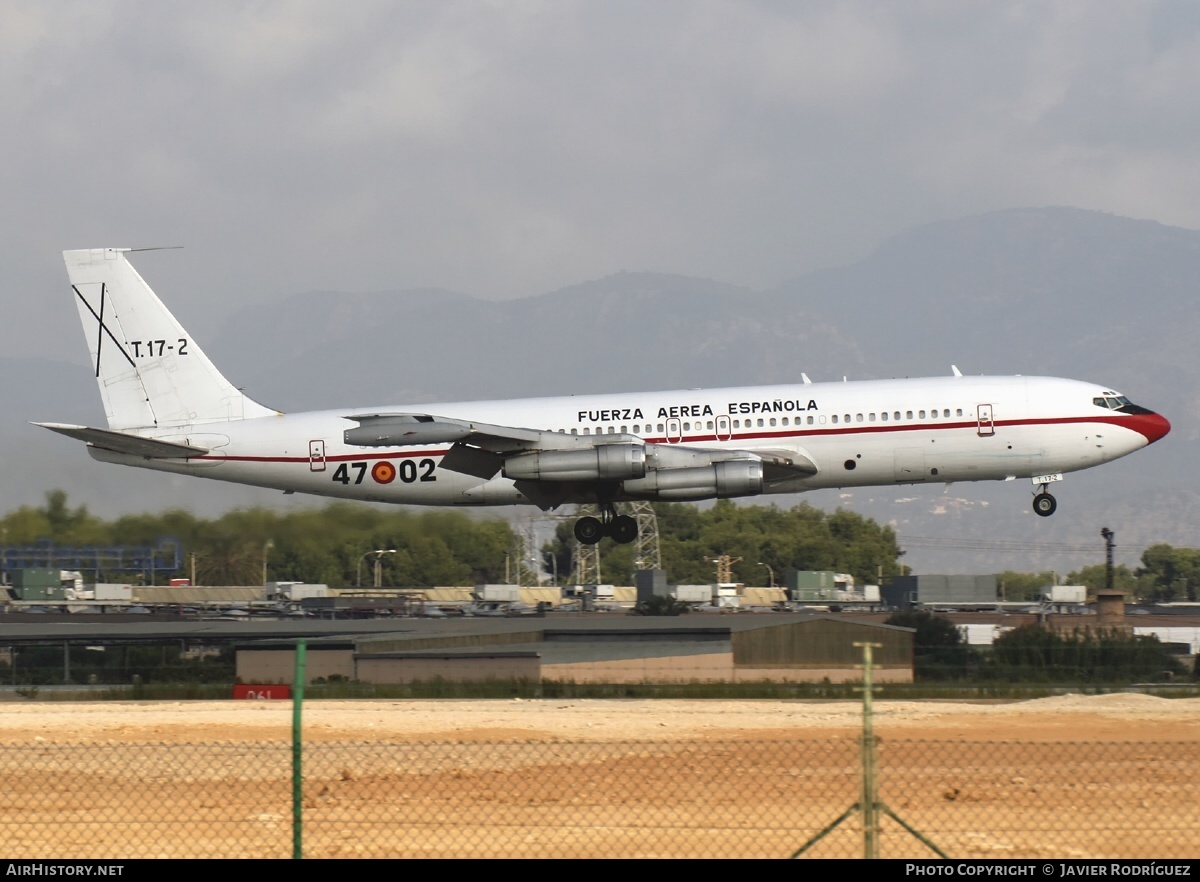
623 529
589 530
1044 505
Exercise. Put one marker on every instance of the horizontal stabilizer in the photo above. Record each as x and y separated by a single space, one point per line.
123 442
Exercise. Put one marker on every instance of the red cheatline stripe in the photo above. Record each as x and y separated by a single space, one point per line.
1124 421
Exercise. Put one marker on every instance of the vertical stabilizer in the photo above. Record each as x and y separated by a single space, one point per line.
151 372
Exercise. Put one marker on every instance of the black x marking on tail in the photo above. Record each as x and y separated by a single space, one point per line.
102 328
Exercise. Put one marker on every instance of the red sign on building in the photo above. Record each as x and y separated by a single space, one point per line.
265 692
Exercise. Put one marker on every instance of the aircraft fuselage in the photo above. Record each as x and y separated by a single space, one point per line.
866 433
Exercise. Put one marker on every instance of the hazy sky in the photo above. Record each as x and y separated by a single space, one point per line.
506 149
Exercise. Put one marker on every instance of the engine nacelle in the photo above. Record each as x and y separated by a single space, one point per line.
721 479
404 430
604 462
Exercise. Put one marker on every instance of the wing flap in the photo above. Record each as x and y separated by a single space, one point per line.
124 442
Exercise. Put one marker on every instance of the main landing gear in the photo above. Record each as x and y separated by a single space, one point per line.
622 529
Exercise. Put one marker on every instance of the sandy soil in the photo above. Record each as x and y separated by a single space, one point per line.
1123 717
1071 776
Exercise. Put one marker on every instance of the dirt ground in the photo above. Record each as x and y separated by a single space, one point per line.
1071 776
1120 717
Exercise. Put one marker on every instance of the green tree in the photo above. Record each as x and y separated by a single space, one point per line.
940 652
1040 653
1094 577
799 538
1169 573
1024 586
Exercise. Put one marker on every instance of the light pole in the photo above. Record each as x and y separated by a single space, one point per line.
267 546
770 572
379 553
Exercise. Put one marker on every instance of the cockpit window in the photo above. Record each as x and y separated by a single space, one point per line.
1119 403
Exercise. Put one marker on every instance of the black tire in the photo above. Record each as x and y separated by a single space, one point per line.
1044 505
623 529
589 531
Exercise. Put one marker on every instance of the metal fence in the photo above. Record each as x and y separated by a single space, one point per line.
730 798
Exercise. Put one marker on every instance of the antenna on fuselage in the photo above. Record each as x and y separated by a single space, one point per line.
804 377
957 372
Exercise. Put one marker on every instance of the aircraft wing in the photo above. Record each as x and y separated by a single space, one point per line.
402 429
477 449
124 442
480 449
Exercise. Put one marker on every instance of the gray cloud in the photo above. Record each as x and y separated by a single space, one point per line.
508 149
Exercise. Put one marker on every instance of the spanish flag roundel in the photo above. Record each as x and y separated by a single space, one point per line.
383 472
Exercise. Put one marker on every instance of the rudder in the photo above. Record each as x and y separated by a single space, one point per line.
150 372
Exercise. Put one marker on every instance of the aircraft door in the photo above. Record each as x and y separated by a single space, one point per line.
724 428
674 431
987 426
316 456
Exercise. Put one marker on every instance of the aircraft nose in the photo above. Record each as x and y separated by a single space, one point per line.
1152 425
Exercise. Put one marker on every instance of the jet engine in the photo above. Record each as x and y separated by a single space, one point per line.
604 462
721 479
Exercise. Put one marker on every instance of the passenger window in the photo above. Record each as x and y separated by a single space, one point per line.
785 421
883 416
660 427
760 422
946 413
587 431
835 418
858 417
896 415
921 414
908 414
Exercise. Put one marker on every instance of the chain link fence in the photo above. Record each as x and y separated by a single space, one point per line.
744 798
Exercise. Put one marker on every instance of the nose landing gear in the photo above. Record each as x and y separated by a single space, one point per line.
1044 504
622 529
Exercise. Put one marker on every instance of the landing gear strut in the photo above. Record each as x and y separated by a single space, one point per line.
1044 504
621 528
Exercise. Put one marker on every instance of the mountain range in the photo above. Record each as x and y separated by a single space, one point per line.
1037 291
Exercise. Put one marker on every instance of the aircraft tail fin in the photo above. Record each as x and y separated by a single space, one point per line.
150 371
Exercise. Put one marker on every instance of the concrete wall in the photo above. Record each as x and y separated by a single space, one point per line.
279 665
407 669
717 667
824 642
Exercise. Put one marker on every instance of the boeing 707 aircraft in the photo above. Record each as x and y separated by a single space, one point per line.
170 409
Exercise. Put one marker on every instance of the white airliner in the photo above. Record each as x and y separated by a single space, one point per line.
170 409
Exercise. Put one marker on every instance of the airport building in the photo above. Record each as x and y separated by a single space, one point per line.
784 648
